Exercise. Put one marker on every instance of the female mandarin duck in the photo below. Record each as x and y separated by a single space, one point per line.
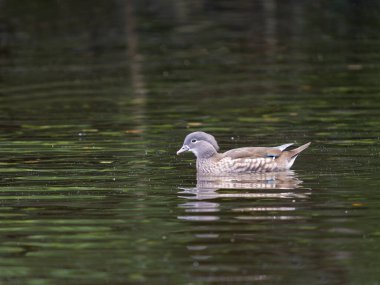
238 160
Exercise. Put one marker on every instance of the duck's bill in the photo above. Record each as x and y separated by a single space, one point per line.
183 149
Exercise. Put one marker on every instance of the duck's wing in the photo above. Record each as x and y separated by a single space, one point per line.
255 152
283 146
259 159
250 159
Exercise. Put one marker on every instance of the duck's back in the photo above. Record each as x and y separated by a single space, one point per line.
253 152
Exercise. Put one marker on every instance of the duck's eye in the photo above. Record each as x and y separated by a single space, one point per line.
193 140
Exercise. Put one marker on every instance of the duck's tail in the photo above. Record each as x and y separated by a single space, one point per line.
287 158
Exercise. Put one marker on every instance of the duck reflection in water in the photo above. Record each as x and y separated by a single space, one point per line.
273 185
207 186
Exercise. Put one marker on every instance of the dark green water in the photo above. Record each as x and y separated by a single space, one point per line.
97 96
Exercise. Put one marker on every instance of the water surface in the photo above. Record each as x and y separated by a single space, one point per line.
95 99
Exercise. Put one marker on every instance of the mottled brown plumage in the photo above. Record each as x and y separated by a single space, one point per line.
239 160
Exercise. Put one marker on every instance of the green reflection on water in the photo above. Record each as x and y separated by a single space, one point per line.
90 187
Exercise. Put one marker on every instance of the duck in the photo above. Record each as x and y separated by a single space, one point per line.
242 160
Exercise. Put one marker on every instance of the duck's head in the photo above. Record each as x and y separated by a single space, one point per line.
201 144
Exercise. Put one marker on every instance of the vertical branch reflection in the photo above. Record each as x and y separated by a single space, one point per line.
270 24
138 111
135 58
270 40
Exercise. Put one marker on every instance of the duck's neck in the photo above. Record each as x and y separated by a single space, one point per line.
208 165
206 153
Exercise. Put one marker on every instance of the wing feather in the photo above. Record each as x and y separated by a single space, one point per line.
253 152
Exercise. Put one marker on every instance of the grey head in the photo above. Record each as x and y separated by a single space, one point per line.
201 144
